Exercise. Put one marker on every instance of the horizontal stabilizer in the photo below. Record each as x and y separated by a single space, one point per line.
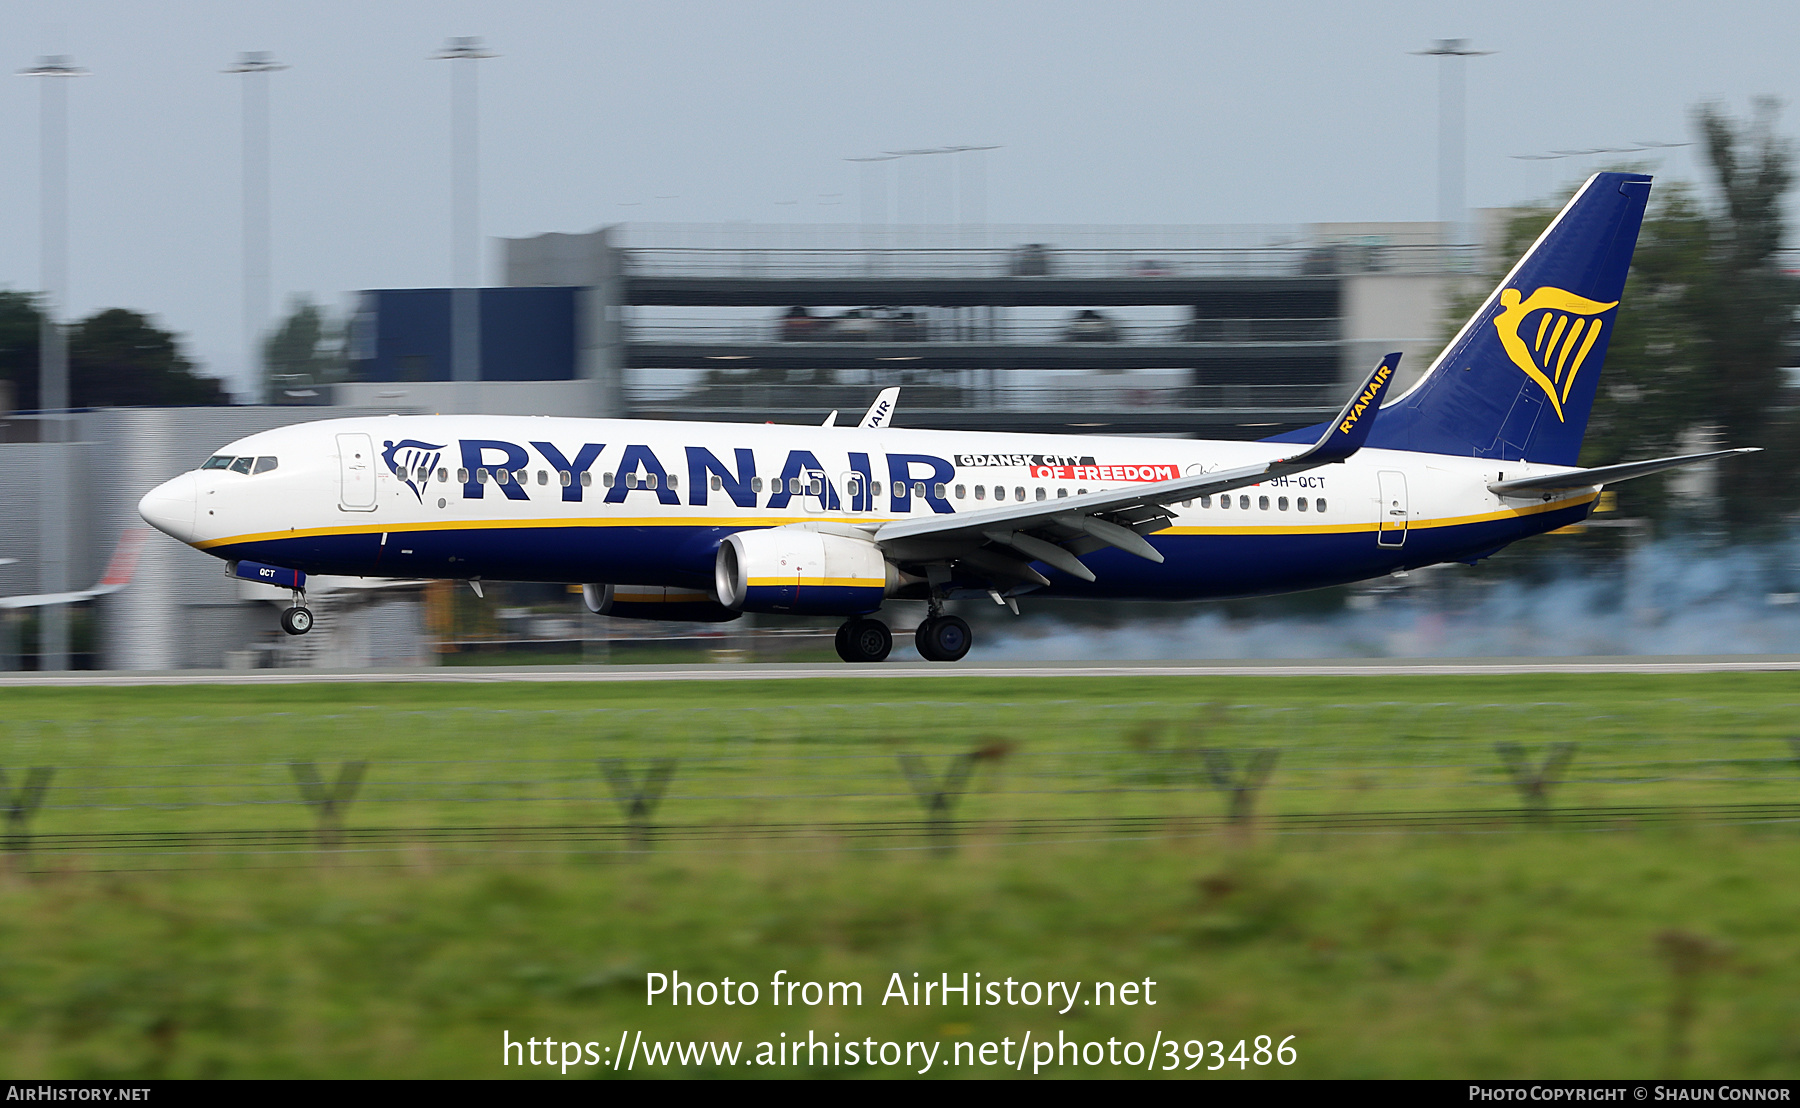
1606 475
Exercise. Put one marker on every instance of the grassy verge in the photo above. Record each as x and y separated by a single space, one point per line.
1629 952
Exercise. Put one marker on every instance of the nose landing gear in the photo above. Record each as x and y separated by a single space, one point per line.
297 620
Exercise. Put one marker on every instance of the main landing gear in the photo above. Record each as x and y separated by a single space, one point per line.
864 640
297 620
943 638
940 638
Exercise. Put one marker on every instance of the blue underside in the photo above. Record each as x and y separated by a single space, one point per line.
1197 567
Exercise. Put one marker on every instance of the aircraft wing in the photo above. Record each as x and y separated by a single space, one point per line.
1606 475
118 574
1005 541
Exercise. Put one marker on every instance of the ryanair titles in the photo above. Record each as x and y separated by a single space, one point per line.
615 473
1369 393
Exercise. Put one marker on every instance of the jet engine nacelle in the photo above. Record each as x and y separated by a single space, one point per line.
655 602
800 571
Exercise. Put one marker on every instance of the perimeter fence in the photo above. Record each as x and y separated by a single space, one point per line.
386 786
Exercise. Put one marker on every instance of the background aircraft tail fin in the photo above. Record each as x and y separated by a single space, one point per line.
1518 381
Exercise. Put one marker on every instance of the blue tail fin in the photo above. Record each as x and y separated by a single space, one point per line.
1518 381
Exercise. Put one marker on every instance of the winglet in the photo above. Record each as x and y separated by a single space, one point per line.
881 413
1350 429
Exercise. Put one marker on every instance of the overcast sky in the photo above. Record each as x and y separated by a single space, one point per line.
597 113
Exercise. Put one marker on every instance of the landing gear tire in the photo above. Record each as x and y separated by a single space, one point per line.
296 621
864 640
943 639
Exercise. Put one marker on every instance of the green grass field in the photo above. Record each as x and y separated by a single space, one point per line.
1392 901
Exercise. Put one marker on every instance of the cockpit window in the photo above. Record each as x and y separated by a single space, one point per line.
265 464
217 461
241 465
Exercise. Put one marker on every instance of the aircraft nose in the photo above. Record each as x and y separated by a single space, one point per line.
169 507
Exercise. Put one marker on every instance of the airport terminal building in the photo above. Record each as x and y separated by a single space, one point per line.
1217 332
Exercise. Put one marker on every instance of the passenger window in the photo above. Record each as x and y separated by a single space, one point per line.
674 481
241 465
1319 504
1080 492
502 476
1224 501
793 486
1206 502
756 484
999 492
217 461
919 489
962 492
937 490
462 476
1019 493
587 478
265 464
631 480
1262 503
1244 503
606 480
717 484
981 492
816 487
565 478
1300 503
443 474
649 480
1041 493
899 488
481 477
1281 504
1062 493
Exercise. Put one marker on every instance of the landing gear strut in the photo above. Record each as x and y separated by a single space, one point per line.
864 640
297 620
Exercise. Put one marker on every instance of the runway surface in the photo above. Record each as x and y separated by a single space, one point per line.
775 671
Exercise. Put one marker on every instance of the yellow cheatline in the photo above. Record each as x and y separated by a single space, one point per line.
777 521
819 582
503 524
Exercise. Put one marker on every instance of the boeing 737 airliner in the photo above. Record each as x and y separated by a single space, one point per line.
704 521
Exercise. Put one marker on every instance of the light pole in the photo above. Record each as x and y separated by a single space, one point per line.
256 67
1452 162
53 355
465 229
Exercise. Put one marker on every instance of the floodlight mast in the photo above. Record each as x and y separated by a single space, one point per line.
256 65
465 230
53 354
1452 161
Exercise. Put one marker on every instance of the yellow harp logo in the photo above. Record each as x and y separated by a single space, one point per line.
1567 328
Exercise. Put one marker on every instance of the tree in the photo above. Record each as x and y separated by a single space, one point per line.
117 358
1698 349
19 322
307 349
